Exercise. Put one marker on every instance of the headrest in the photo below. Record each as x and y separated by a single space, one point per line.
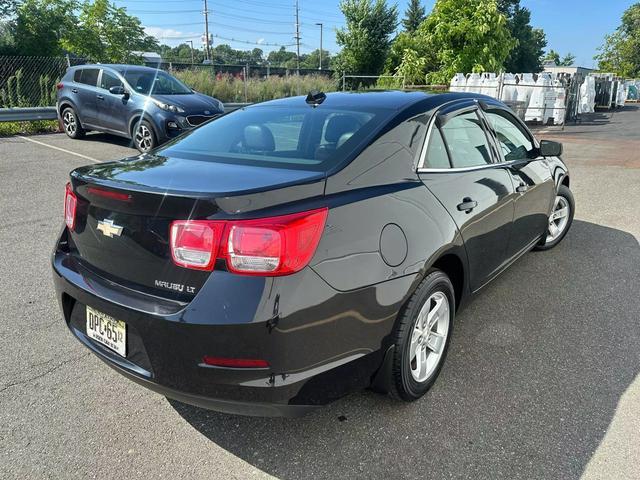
339 125
258 137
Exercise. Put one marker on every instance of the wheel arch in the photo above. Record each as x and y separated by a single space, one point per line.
138 117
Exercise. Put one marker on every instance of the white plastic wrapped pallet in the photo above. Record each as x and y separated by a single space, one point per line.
525 88
458 83
509 88
559 112
587 103
542 99
489 85
474 83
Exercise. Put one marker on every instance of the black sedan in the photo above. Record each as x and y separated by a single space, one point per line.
287 253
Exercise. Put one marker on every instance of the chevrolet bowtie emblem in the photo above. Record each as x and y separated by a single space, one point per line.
108 228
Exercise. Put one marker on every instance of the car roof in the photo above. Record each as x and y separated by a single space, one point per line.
116 66
384 99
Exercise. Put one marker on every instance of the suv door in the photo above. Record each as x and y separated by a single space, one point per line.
531 176
85 89
459 167
112 109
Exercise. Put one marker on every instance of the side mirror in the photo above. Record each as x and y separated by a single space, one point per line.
119 90
549 148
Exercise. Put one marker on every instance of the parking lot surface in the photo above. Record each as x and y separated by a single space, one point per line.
542 379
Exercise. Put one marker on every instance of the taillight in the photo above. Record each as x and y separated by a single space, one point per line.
194 243
70 204
60 86
123 197
267 246
235 362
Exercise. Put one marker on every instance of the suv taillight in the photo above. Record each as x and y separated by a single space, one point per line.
70 204
267 246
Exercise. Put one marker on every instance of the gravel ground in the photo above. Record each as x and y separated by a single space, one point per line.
541 380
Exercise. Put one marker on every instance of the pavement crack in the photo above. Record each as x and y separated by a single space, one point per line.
46 372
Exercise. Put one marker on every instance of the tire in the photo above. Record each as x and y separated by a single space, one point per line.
144 138
558 226
71 124
434 294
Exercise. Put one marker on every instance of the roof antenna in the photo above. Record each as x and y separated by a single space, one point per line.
315 98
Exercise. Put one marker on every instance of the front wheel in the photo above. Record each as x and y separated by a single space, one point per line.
143 138
560 219
422 337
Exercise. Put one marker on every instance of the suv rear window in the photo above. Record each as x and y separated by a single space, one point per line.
282 137
88 76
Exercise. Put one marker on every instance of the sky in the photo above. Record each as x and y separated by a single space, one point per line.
576 26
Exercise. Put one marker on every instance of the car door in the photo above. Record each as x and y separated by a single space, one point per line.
85 90
459 167
531 176
112 109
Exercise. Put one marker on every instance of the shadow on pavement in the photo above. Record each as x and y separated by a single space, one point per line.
537 366
107 138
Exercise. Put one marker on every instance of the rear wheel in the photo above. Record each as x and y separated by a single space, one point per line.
143 138
560 219
422 337
71 124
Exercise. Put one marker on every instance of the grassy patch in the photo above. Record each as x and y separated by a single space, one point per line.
17 128
228 88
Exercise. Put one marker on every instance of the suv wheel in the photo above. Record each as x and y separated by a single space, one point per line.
422 337
71 124
560 219
144 139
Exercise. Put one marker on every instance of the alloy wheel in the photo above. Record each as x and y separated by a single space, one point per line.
144 138
69 122
429 337
559 218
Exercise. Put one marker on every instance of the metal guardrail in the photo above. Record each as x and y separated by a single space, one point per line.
28 114
31 114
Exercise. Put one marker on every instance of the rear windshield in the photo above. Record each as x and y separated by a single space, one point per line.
281 137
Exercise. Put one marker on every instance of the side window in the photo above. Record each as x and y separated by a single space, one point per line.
437 156
89 76
77 75
467 141
109 80
514 143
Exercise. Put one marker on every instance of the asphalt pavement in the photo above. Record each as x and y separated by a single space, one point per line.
542 379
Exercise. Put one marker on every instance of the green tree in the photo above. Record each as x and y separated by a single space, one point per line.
312 60
554 57
414 16
281 57
365 39
106 33
620 52
527 54
41 24
458 36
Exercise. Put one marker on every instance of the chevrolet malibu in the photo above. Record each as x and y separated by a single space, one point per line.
287 253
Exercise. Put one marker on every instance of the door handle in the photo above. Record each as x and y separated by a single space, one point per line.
74 90
522 188
467 205
100 97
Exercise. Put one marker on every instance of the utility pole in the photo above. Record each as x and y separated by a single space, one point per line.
320 67
191 42
206 30
297 38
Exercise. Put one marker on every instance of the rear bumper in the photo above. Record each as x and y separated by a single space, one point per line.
166 341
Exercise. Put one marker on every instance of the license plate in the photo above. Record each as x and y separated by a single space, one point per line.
107 330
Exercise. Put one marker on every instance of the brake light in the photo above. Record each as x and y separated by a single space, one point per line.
194 243
235 362
70 204
123 197
60 86
269 246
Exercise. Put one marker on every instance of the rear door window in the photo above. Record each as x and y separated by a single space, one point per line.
437 156
467 141
89 76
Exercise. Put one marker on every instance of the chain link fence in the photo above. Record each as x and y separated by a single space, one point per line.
31 81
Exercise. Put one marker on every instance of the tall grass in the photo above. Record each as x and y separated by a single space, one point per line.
228 88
